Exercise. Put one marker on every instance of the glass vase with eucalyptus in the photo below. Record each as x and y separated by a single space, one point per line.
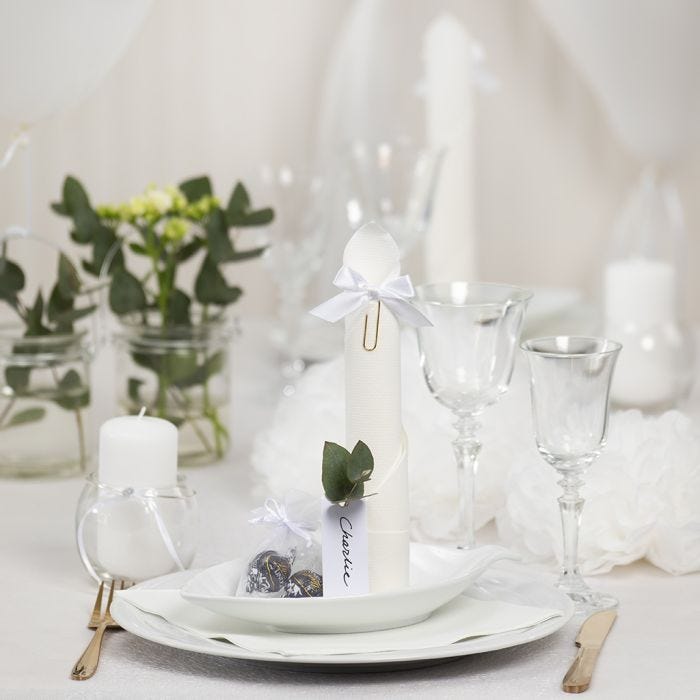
467 360
570 381
180 373
173 342
45 361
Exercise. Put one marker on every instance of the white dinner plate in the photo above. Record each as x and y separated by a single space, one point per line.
511 583
438 575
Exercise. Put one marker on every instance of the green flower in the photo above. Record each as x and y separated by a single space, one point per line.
175 230
137 206
199 210
109 211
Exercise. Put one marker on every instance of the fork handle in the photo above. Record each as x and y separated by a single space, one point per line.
86 665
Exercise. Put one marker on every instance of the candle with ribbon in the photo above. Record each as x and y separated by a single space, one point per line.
132 528
374 300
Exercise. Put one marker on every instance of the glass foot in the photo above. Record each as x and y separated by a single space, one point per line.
586 600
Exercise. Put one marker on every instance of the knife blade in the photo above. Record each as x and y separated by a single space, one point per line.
590 639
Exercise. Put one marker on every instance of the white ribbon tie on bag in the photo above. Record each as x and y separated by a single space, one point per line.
275 513
357 292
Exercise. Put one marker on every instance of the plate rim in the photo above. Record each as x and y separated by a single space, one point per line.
465 647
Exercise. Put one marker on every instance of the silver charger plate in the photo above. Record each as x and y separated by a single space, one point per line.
511 583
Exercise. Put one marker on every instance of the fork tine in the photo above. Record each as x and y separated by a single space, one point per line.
108 615
111 595
97 608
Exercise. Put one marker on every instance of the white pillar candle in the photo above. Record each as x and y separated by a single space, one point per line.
640 311
138 452
450 244
373 410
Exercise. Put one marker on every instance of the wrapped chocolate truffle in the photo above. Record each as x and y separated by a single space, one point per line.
304 584
268 572
284 562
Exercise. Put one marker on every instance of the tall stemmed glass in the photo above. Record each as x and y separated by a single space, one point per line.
570 383
295 239
467 359
392 183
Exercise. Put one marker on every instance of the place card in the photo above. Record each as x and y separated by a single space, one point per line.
344 548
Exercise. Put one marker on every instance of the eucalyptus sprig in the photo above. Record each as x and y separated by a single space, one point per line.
68 302
344 473
167 227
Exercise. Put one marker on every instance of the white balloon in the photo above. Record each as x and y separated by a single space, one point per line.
641 59
54 52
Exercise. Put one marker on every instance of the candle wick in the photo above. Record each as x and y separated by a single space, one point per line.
142 412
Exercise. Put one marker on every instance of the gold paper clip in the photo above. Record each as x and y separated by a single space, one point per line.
365 344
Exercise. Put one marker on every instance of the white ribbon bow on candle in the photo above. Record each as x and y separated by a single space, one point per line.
357 292
275 513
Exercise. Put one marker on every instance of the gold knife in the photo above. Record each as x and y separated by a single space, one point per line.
589 640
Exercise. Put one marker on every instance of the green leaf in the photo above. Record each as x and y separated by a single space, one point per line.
238 256
102 246
59 208
11 280
189 249
68 279
34 315
210 287
17 378
238 211
87 226
67 318
134 390
126 293
220 248
261 217
173 367
58 304
361 463
28 415
344 473
75 198
202 373
179 308
239 201
138 249
336 484
72 393
196 188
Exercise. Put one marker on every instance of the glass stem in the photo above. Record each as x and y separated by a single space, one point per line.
466 447
570 507
291 310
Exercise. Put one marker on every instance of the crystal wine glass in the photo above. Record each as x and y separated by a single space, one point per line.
570 381
467 359
392 183
295 239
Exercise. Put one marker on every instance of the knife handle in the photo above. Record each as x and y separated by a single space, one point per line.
578 677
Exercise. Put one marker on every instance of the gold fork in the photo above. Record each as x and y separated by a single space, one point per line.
86 665
96 614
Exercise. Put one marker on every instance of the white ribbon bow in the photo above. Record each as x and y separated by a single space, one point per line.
275 513
357 292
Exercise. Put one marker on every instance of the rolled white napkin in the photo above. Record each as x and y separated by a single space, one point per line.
373 409
462 618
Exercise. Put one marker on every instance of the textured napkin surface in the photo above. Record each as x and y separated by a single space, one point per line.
373 410
460 619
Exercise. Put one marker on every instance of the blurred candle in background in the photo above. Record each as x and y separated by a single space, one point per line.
450 246
642 300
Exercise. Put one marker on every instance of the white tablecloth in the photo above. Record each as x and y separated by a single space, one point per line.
45 599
